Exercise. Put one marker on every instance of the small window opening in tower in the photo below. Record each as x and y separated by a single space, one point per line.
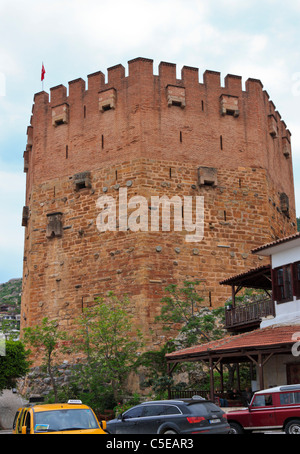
80 185
102 141
106 108
202 105
116 175
170 172
221 142
67 152
84 111
230 112
176 103
180 136
59 122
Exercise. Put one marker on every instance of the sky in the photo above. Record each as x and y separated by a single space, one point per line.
249 38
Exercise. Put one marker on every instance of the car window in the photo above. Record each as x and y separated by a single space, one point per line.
27 422
289 398
203 408
171 410
15 420
135 412
153 410
20 421
262 400
64 419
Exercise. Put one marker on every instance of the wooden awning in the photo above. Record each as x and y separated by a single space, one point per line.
258 278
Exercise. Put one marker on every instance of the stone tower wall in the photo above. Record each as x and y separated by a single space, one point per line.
154 135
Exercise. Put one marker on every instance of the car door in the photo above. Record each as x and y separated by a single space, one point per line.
27 422
128 423
262 413
152 418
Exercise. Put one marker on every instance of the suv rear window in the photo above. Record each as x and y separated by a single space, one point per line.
289 398
204 408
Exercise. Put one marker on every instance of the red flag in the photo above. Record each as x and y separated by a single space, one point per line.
43 72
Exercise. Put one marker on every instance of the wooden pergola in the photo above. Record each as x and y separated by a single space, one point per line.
256 347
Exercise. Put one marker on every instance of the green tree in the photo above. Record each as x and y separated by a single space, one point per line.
106 338
48 339
13 365
196 324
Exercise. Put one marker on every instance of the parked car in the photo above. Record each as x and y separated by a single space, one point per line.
195 415
18 420
72 418
275 408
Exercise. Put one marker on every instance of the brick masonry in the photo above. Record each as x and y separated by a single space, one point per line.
150 134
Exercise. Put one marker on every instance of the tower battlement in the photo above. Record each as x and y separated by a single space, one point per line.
141 70
155 116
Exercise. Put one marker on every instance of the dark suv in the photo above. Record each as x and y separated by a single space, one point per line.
196 415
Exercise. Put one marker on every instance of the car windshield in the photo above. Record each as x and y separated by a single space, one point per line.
59 420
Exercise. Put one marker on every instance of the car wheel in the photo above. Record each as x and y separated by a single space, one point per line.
293 427
170 431
235 428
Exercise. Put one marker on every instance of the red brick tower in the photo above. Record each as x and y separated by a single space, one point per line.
154 135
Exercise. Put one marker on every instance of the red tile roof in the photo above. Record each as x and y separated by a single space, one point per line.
272 336
275 243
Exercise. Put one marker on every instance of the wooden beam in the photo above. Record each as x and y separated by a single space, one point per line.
267 359
211 378
236 354
260 371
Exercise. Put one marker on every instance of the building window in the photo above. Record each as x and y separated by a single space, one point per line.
82 180
229 105
284 204
54 226
60 114
296 279
282 282
107 99
176 96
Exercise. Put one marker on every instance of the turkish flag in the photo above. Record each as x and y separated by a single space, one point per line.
43 72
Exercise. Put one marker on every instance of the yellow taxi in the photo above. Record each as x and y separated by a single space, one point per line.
70 418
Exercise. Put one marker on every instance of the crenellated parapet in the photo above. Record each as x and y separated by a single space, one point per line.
117 117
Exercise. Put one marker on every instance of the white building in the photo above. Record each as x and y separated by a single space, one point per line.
285 271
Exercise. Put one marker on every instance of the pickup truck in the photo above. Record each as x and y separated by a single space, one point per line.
275 408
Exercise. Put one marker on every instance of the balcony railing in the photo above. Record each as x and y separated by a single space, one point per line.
248 314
